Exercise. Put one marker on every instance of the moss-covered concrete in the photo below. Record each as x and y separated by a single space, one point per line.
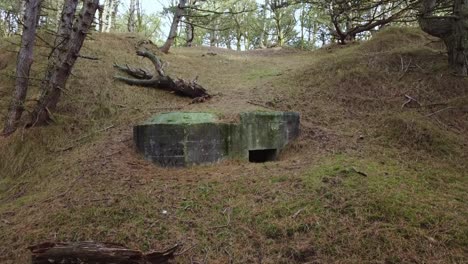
182 118
182 139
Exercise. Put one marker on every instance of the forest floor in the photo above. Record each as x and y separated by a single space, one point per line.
373 178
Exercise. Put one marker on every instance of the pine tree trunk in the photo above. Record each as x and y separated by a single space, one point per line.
457 43
179 12
22 11
451 29
246 42
60 69
263 36
189 28
189 31
139 17
131 16
23 65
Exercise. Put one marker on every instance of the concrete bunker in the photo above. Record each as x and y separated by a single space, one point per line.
185 138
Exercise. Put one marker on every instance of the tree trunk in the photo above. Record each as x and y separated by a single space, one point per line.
114 9
263 37
212 38
60 69
302 22
279 28
238 42
179 12
139 17
457 43
189 31
95 253
22 10
101 17
131 16
246 42
451 29
106 10
23 65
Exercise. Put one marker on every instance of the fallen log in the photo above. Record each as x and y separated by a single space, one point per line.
95 253
160 80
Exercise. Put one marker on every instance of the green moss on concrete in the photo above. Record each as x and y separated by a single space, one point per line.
182 118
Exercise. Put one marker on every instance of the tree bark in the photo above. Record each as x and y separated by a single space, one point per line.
160 80
451 29
65 57
189 28
139 16
131 16
113 15
179 12
95 253
106 14
101 16
22 10
457 43
263 36
189 32
23 65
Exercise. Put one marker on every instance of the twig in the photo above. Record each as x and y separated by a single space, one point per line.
410 99
228 219
441 110
88 57
185 250
297 213
404 67
259 104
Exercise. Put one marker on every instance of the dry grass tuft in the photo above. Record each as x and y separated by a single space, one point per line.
416 133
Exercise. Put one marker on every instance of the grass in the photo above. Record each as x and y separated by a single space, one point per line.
368 181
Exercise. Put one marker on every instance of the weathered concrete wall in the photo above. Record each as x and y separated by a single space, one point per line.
182 139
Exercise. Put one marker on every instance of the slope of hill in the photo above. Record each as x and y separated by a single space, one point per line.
373 177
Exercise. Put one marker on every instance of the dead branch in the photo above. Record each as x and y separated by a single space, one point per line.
135 72
160 80
404 67
439 111
410 100
260 104
94 253
88 57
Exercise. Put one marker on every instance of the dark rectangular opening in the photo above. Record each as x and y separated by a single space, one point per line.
262 155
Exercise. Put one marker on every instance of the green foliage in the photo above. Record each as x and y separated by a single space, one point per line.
149 27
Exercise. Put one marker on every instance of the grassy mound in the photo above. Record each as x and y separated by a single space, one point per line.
372 178
415 133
